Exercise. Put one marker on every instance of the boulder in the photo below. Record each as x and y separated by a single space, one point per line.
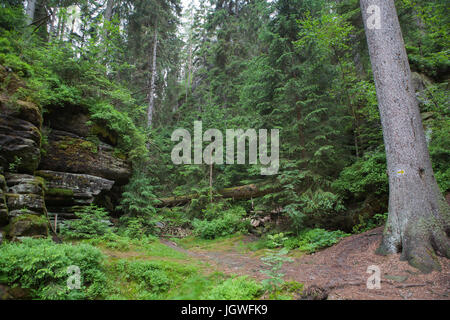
67 152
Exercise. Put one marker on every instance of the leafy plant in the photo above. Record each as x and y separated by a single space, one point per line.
91 222
229 222
274 260
240 288
276 240
375 221
314 239
41 265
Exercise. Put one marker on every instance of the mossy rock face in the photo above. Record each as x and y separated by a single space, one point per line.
28 225
4 214
104 134
24 110
25 194
76 120
2 183
28 203
25 184
20 143
59 192
68 190
3 208
66 152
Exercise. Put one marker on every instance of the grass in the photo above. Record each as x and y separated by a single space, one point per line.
132 269
226 243
152 270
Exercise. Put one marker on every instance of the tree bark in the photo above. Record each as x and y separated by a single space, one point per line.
151 101
418 224
31 7
238 193
108 10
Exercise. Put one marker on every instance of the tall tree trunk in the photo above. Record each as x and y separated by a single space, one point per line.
151 101
108 10
31 7
418 224
105 34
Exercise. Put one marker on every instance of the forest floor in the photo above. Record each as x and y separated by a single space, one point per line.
335 273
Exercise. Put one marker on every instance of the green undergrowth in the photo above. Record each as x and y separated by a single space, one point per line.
308 241
117 268
225 243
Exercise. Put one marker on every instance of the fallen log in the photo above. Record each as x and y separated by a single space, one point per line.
236 193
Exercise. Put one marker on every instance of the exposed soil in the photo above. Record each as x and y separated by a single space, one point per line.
341 270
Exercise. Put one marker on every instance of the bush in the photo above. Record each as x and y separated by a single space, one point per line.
229 222
151 278
12 61
92 222
42 266
11 18
368 224
365 176
139 199
314 239
240 288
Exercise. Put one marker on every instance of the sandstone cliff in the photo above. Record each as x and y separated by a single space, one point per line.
52 163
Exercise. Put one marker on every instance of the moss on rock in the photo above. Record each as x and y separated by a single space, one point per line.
28 225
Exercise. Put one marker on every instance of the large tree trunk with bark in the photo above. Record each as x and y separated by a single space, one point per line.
418 224
108 10
31 7
151 100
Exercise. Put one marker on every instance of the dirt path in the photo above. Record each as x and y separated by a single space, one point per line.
341 270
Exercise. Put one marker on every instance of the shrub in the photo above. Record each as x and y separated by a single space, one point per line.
23 69
42 266
92 222
314 239
139 199
365 225
240 288
151 279
229 222
276 240
274 260
365 176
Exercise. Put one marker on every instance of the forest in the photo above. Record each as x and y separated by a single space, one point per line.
100 98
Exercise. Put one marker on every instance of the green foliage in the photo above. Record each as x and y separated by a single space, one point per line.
274 260
367 175
314 239
276 240
15 164
132 140
222 224
366 225
91 222
41 266
138 199
12 61
11 18
151 278
240 288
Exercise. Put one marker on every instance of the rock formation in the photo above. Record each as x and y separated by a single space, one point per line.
53 163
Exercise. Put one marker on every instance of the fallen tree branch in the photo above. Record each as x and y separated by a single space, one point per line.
236 193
